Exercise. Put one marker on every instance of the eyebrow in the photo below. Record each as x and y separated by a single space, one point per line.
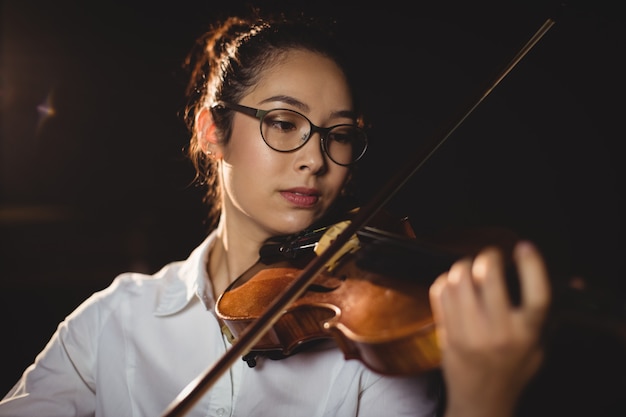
304 107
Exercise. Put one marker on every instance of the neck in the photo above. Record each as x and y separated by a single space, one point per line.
232 254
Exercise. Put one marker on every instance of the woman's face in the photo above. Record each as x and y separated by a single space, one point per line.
268 193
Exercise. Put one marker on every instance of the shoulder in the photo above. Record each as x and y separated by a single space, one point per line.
164 292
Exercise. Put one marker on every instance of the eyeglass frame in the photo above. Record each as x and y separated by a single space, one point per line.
323 131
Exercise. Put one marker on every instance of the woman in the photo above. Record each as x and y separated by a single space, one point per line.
275 133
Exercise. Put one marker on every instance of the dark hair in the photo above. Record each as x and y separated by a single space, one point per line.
229 59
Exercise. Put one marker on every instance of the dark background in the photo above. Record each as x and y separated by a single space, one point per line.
93 181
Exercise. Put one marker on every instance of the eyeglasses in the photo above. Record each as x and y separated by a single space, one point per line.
286 130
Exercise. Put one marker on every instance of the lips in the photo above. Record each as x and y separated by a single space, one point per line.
301 197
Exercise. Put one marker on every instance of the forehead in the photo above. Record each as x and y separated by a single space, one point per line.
310 77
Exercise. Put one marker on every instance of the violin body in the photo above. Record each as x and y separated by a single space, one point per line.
350 305
371 298
373 311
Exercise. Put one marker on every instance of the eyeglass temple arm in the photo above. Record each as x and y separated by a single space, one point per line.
258 113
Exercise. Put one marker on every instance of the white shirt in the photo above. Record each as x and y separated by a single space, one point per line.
130 349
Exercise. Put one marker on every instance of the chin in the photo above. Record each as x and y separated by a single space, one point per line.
294 224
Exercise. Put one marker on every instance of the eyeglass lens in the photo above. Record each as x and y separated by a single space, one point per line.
286 130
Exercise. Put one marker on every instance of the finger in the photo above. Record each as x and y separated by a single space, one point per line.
488 271
441 293
534 282
457 298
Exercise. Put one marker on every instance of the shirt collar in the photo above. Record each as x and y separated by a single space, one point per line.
183 281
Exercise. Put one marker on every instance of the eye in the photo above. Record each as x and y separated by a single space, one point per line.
282 121
343 134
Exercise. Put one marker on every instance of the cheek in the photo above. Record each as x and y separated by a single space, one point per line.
247 165
245 140
338 178
252 157
335 180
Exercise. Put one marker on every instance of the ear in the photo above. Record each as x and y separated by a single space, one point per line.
205 130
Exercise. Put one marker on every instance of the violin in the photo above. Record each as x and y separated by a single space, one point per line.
371 298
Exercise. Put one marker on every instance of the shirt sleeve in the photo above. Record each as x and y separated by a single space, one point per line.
61 380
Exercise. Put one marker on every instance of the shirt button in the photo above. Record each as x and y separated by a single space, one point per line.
220 411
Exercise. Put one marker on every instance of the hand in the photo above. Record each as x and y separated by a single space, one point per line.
490 348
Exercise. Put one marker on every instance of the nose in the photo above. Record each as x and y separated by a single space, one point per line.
312 156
